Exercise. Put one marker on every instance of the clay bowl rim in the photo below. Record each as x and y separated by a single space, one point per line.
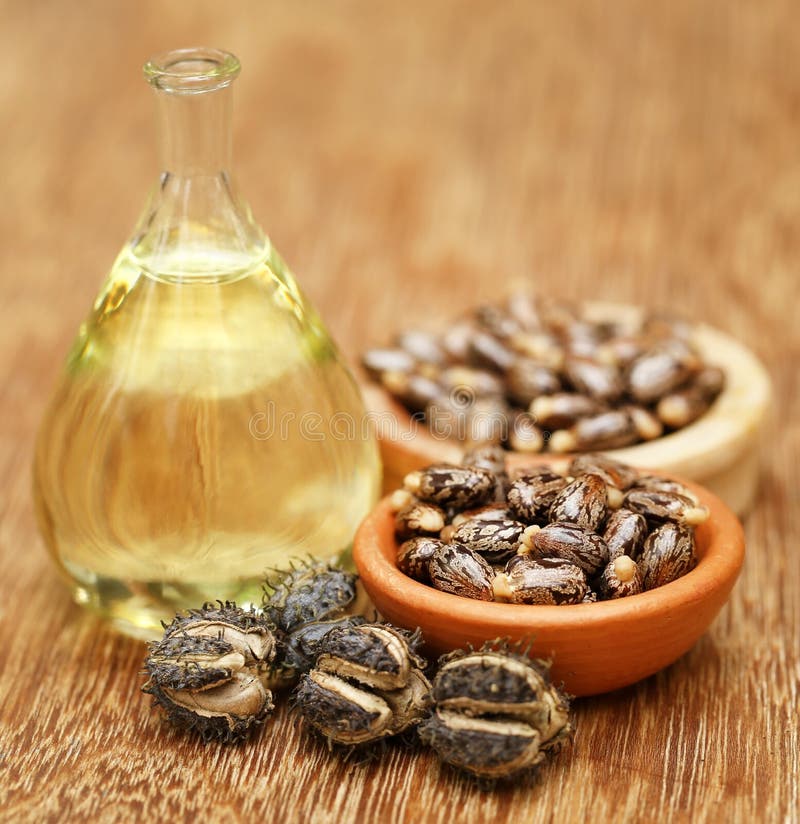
720 561
704 446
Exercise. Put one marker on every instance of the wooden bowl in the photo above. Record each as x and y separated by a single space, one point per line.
595 648
719 450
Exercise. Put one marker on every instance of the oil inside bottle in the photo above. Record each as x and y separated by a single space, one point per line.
205 431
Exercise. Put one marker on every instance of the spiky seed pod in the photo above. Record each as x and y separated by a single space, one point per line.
418 519
612 472
414 555
455 569
300 648
494 540
376 655
581 547
210 671
620 578
583 502
367 684
460 487
549 581
314 591
625 533
665 506
669 553
531 496
495 712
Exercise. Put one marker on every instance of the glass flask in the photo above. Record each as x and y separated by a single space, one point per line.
205 428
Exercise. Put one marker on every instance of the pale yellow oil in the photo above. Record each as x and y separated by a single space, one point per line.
204 431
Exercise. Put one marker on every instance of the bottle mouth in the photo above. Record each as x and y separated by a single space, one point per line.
191 71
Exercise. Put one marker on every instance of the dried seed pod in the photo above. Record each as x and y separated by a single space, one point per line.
418 519
423 346
460 571
665 506
621 578
583 502
460 487
546 581
563 409
657 372
531 496
668 554
608 430
495 540
367 684
485 351
300 648
495 713
209 673
376 655
572 543
311 592
625 533
612 472
524 435
414 555
378 361
414 391
526 380
597 380
351 715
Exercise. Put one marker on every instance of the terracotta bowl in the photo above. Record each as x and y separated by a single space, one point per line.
595 648
719 450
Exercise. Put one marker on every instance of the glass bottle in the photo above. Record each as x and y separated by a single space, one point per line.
204 429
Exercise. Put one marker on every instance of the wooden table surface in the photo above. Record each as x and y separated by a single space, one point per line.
408 160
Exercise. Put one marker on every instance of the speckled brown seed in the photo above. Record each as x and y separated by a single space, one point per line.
495 540
620 578
454 568
459 487
612 472
606 430
669 553
413 557
531 496
549 581
625 533
419 519
572 543
563 409
583 502
526 380
598 380
655 373
665 506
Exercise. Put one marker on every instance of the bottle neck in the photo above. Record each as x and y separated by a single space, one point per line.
195 223
195 132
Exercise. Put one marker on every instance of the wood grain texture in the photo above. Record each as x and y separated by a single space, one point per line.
408 160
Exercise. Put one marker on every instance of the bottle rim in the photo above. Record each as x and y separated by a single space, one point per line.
192 71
